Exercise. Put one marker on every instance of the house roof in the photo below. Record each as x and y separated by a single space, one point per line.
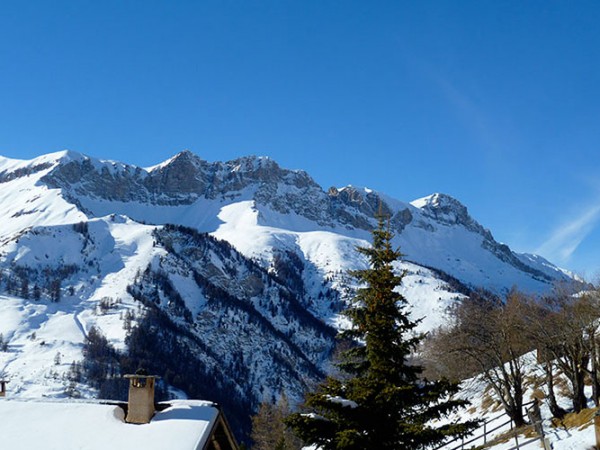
62 425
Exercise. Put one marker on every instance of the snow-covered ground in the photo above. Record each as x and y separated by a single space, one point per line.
485 406
45 338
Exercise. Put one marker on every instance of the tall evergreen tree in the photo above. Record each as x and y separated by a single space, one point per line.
381 401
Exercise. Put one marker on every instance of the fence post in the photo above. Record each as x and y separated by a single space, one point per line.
535 416
484 433
597 427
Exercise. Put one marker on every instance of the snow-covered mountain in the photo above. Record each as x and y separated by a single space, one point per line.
272 203
234 271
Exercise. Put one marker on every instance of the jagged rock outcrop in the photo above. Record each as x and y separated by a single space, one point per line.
449 211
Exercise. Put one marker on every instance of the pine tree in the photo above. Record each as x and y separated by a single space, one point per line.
381 401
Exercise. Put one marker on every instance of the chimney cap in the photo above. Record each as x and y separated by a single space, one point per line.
140 376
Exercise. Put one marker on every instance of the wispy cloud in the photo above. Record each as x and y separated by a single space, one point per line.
566 238
496 136
468 110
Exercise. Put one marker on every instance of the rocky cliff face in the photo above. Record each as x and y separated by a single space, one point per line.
180 180
185 178
449 211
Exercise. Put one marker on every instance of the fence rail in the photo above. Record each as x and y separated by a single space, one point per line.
535 418
530 441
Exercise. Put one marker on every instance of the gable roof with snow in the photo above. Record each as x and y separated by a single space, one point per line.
88 425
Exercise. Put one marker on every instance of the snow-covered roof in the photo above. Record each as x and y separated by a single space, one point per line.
62 425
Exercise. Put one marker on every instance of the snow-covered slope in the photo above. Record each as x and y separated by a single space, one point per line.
211 314
258 206
245 286
577 434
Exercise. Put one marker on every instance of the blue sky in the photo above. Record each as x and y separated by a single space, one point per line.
496 103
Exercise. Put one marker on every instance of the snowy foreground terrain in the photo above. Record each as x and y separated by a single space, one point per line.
573 434
234 271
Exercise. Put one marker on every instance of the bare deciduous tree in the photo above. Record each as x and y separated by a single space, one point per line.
488 337
268 430
567 333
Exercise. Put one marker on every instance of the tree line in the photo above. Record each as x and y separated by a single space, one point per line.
498 338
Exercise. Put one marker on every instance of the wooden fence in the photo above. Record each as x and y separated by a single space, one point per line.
496 423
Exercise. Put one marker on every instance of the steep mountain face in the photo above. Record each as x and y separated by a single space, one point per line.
178 181
232 271
183 298
189 191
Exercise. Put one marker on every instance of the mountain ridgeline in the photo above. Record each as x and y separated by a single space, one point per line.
225 278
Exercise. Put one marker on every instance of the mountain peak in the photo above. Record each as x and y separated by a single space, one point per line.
252 163
184 157
357 189
437 200
11 169
62 156
447 210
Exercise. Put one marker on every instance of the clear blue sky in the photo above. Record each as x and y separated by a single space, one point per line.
494 102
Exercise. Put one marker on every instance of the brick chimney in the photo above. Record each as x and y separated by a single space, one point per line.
140 406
